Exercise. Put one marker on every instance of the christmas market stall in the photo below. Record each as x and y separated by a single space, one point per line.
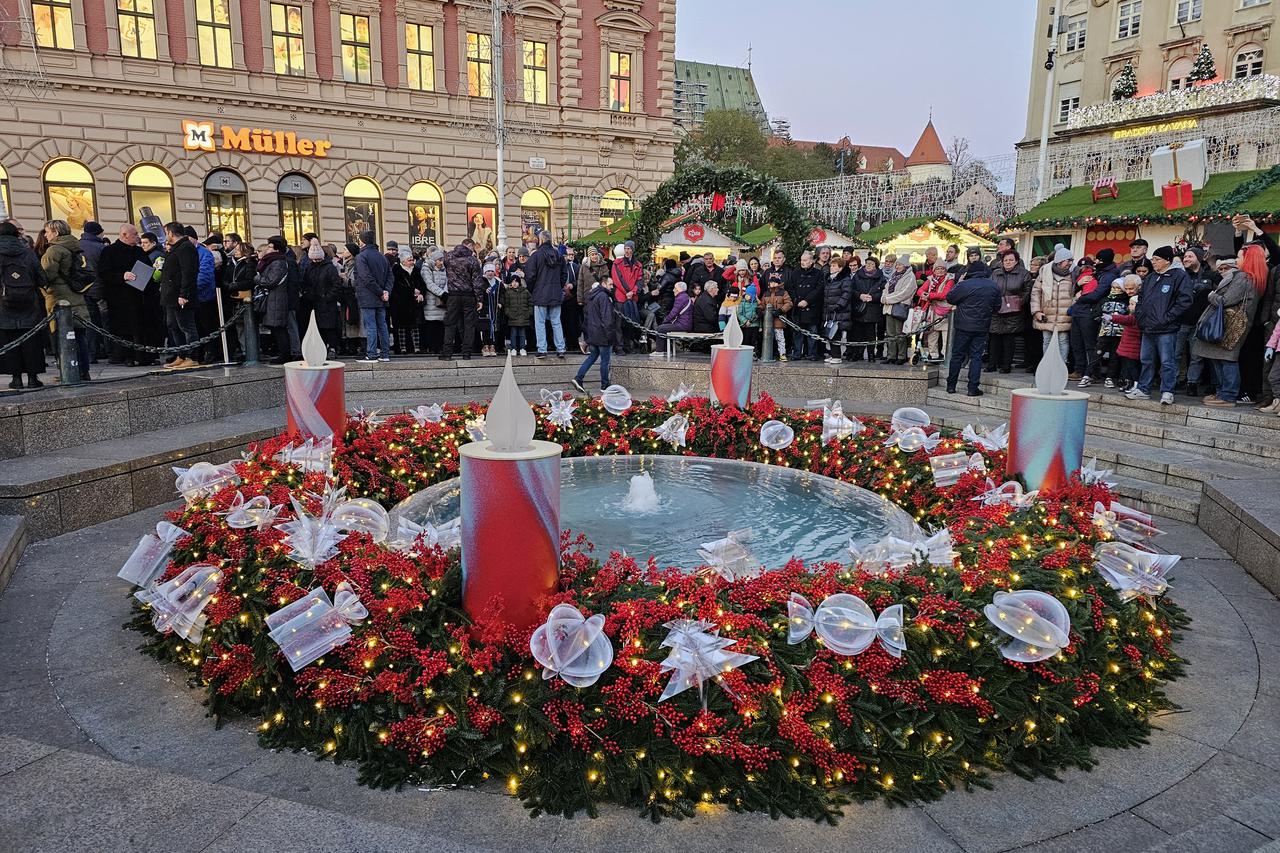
916 234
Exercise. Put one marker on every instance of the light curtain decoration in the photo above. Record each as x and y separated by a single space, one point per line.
177 604
1009 492
256 512
616 399
673 430
730 558
204 479
1036 624
560 407
572 647
894 554
697 655
311 627
912 439
846 624
680 393
950 467
776 435
992 439
1124 523
148 559
311 456
432 414
1133 572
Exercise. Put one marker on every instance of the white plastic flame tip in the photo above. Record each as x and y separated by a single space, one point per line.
314 351
1051 375
509 421
733 332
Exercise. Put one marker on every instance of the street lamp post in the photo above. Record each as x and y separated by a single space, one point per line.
1048 105
499 121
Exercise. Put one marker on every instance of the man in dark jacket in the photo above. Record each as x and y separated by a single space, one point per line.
373 284
1165 297
545 277
92 245
122 293
806 290
601 332
178 291
467 287
570 313
706 313
1203 282
976 300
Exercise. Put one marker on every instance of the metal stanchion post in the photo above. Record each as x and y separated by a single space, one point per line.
68 355
946 343
766 331
250 334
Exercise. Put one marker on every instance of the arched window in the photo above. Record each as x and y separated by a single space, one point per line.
613 206
426 214
362 208
535 213
4 195
150 192
1248 61
226 203
69 193
299 211
1178 72
482 214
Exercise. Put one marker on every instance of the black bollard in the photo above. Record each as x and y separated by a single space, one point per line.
68 355
250 342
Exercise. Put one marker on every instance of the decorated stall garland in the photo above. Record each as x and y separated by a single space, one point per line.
420 694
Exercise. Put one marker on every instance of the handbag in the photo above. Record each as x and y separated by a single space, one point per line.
1235 325
915 319
1212 327
899 310
1010 303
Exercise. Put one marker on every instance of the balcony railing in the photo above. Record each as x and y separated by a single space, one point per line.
1210 96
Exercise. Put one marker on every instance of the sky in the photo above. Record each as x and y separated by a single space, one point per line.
825 64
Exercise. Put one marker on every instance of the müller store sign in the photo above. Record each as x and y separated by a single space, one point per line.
203 136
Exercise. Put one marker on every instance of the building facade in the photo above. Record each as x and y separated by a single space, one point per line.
702 86
1098 129
334 115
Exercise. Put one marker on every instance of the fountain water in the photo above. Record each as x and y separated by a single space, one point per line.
641 497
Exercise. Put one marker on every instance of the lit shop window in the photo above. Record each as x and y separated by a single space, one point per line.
137 20
6 210
362 208
419 40
286 39
482 214
299 210
226 203
69 193
53 24
613 206
535 213
150 191
213 32
356 65
426 213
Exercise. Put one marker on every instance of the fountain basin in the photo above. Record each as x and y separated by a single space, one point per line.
792 513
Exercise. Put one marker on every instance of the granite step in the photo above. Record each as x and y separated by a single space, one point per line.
1220 833
13 541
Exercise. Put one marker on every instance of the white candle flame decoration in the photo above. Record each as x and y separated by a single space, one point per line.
509 421
733 332
1051 375
314 351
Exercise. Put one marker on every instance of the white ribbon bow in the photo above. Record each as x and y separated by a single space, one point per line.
432 414
912 439
697 654
680 393
892 553
476 428
992 439
572 647
256 512
846 624
312 626
776 435
1124 523
1036 623
151 554
1008 492
312 539
730 558
835 425
673 430
347 604
177 604
204 479
1133 572
616 399
370 418
560 408
950 467
311 455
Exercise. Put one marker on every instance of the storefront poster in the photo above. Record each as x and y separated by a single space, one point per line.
480 228
424 224
361 216
72 204
533 221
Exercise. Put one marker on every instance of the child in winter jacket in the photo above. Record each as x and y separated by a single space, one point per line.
779 300
1115 302
1129 349
730 305
517 307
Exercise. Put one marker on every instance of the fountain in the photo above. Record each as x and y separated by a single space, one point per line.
641 497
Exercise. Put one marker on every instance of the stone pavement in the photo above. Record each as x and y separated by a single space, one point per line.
102 749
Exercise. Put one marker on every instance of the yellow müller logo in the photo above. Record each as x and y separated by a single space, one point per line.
201 136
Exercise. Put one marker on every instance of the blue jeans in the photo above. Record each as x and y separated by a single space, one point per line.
541 313
517 338
376 335
604 354
1228 375
1064 343
802 345
1162 350
964 345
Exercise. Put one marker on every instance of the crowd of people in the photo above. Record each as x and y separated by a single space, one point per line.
1169 320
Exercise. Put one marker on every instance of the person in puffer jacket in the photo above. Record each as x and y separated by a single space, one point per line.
467 289
435 285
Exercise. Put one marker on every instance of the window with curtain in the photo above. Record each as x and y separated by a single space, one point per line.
52 19
137 19
1178 72
535 72
357 66
286 39
479 65
619 82
419 41
213 32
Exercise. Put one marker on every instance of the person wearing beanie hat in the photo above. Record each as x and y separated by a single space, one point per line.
976 299
1191 369
1062 253
435 288
320 286
1166 295
406 296
1106 256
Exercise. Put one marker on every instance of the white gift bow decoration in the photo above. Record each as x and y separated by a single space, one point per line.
673 430
730 558
404 534
836 426
846 624
312 539
1133 572
992 439
680 393
949 468
776 435
616 399
912 439
697 654
348 604
1124 523
571 646
177 604
1036 624
204 478
362 515
1092 475
476 428
907 417
311 455
1009 492
892 553
312 626
149 558
432 414
370 418
560 408
448 535
256 512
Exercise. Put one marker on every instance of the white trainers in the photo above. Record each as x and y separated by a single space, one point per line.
1166 399
1136 393
1085 382
524 352
1109 383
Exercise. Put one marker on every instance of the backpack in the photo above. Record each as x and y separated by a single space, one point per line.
19 292
82 275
